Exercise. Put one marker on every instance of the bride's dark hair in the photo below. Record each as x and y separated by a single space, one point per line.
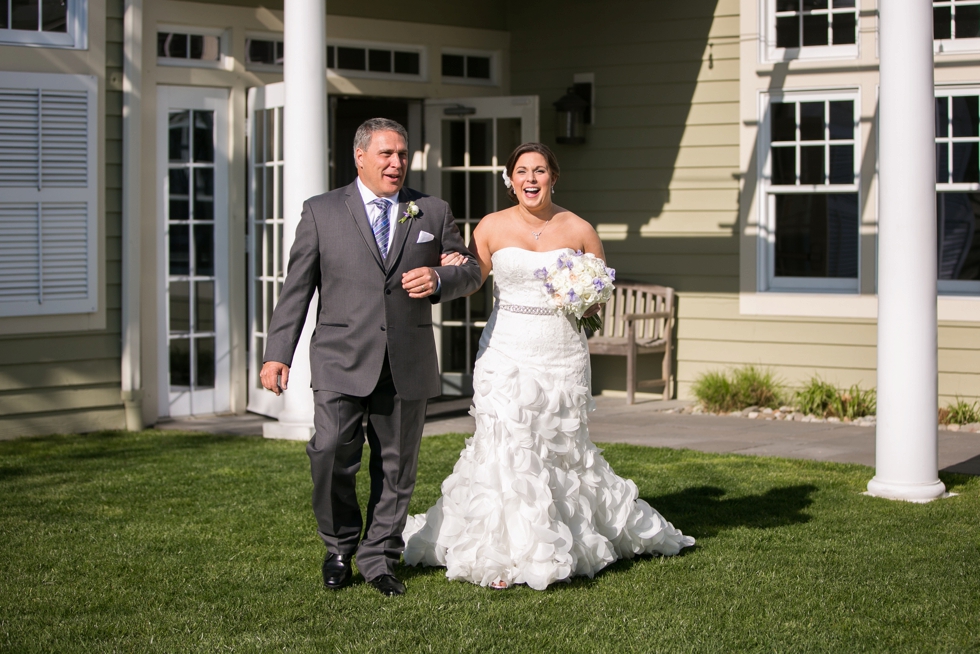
523 149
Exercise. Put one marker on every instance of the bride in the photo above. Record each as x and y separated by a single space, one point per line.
531 499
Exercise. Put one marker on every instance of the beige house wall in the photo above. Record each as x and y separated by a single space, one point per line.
61 373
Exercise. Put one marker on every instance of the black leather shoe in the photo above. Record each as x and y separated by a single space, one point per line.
388 585
336 571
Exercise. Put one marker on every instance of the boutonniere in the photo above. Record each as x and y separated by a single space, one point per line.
411 211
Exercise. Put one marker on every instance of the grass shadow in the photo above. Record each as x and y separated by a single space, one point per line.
704 511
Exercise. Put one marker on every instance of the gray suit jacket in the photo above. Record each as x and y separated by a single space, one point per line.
362 309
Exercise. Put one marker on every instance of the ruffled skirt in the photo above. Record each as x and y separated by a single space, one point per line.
531 499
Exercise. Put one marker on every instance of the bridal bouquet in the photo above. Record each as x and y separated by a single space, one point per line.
576 282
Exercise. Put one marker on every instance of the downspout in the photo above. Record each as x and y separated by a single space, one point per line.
132 382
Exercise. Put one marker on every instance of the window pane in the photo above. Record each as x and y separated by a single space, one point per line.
809 5
842 119
481 142
815 29
203 194
379 61
270 191
478 67
270 133
454 142
54 16
844 28
351 58
454 310
180 362
331 62
454 349
842 4
817 235
508 138
453 65
967 21
942 163
258 139
966 166
4 16
842 164
204 306
942 116
204 136
811 165
204 250
481 194
481 303
205 362
965 116
260 52
454 192
179 149
179 194
942 23
958 235
811 121
787 32
783 121
784 165
24 15
407 63
172 45
180 250
180 306
280 52
787 5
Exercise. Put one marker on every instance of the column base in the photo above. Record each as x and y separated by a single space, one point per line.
918 493
133 410
287 431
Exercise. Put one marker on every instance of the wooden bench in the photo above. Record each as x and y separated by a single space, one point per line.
638 319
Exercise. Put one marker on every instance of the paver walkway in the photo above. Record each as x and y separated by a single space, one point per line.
647 423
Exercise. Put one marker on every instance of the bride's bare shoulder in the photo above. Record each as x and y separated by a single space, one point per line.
493 222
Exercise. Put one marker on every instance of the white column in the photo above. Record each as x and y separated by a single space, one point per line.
132 85
304 175
906 443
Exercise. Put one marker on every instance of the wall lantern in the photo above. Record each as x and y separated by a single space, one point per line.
574 113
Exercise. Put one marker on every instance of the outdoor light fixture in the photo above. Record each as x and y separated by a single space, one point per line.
574 113
459 110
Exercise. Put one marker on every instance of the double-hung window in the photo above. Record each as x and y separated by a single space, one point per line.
48 194
956 25
48 23
958 190
810 29
809 227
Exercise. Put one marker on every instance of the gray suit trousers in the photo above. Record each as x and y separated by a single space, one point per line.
394 433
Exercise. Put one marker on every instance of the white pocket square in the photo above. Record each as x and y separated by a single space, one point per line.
424 237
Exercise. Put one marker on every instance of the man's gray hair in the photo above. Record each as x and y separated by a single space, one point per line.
362 138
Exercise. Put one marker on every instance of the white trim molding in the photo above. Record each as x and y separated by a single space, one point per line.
74 37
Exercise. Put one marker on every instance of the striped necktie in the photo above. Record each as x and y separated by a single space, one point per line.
381 226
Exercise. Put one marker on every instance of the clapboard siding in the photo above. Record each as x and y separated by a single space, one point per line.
69 382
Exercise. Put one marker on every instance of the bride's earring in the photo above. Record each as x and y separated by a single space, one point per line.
552 190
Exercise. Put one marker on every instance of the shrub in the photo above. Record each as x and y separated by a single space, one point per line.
745 387
959 413
822 398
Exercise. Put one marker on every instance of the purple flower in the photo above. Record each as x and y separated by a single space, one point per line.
612 273
541 273
578 253
548 287
562 260
598 284
572 296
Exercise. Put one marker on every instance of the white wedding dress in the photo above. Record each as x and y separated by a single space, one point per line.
531 499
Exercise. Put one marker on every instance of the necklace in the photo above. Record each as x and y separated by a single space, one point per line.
537 234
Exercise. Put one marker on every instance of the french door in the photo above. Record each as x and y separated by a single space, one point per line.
265 270
469 142
192 165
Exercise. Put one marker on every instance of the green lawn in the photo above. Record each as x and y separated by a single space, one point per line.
175 542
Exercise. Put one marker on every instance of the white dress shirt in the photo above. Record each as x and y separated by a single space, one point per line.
373 213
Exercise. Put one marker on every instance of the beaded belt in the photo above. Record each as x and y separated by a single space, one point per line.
520 308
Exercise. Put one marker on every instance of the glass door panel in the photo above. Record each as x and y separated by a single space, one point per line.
467 155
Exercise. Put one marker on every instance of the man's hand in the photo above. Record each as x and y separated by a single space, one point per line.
421 282
452 259
274 376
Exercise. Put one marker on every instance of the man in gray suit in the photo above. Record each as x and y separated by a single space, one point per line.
373 250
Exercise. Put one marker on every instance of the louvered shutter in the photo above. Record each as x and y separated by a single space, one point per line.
48 194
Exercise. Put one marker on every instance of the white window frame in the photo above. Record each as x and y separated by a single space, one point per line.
766 260
60 194
224 62
771 53
955 45
75 38
957 286
470 81
422 51
276 37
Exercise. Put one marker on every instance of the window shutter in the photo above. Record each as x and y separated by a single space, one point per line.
48 194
